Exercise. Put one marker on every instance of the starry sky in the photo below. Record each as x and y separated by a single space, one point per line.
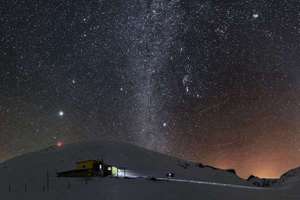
211 81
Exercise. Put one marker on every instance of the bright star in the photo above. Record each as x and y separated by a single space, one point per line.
255 15
61 113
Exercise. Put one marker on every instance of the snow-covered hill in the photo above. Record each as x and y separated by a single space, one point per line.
288 179
33 176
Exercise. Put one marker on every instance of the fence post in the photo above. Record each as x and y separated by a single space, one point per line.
47 180
69 185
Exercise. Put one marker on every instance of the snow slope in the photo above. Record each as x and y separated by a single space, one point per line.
288 179
33 176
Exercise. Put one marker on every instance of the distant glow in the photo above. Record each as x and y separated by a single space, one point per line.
266 173
59 144
164 124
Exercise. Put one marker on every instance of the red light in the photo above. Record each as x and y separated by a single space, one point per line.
59 144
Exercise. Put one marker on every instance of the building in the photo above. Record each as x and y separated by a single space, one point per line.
90 168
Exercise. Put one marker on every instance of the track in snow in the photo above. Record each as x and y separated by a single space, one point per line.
136 175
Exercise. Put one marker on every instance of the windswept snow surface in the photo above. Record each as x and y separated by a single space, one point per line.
33 177
212 183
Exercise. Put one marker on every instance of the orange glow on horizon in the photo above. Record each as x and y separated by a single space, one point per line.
257 168
267 173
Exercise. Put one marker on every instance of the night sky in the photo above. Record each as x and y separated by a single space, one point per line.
211 81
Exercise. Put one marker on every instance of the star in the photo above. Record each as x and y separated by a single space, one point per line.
255 15
187 89
59 144
61 113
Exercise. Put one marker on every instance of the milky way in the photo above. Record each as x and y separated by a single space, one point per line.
148 34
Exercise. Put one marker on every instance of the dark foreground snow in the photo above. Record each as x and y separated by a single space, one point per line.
32 177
